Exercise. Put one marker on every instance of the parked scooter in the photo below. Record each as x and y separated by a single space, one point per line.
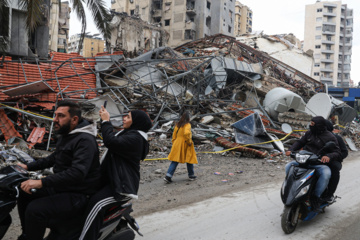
297 189
116 222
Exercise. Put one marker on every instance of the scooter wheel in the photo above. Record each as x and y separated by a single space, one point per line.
289 219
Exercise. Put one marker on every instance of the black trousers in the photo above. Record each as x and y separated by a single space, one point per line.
37 209
335 168
95 211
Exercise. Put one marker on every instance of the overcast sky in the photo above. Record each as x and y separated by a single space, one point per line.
274 17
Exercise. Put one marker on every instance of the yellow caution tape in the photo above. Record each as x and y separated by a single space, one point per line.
27 111
229 149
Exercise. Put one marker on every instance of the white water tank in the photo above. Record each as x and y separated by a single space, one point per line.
279 100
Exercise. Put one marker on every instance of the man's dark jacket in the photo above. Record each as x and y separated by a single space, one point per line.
75 162
121 166
315 142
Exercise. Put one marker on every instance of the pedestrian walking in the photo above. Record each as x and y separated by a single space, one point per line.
182 150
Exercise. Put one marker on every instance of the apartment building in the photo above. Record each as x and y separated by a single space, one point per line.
243 19
329 34
184 20
59 26
91 45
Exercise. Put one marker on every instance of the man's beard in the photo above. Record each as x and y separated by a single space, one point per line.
63 130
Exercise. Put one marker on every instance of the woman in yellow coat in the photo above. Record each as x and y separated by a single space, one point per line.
182 150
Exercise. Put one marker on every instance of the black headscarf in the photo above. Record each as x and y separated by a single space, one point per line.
140 121
320 125
329 126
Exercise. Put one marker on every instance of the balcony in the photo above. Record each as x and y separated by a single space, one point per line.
332 5
191 11
326 78
190 26
327 32
329 14
327 51
345 71
330 23
324 60
327 42
326 70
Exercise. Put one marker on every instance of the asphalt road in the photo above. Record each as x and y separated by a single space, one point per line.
255 214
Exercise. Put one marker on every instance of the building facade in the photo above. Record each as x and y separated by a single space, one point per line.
184 20
329 34
20 43
59 26
91 46
243 19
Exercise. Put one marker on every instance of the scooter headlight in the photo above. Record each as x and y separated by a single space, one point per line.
300 158
303 191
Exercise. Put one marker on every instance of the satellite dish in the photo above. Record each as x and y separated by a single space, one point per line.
257 84
286 128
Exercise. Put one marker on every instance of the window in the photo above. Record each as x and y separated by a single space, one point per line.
167 22
92 43
317 46
317 65
319 10
208 21
318 28
208 5
328 47
157 5
319 19
316 74
229 29
132 12
327 56
328 38
92 49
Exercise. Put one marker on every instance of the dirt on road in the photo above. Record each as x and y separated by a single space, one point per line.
216 175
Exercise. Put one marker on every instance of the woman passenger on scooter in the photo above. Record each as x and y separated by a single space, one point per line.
120 164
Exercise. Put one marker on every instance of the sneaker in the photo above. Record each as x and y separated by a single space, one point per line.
167 179
329 199
192 178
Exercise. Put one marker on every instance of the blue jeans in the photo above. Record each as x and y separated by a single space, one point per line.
173 165
323 173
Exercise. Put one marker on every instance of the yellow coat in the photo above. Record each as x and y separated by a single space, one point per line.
181 152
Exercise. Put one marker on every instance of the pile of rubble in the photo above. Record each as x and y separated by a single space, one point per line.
240 98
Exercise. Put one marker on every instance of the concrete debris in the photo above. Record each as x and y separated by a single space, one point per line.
240 98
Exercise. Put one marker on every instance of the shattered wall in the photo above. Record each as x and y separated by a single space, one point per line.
134 35
279 47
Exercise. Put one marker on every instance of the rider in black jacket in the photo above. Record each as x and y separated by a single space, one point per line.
120 166
76 175
313 141
335 166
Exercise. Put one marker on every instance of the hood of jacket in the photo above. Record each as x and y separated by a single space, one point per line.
85 127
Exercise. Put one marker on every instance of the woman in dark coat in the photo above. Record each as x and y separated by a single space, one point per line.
120 164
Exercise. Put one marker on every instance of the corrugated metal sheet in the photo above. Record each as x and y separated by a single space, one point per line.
13 73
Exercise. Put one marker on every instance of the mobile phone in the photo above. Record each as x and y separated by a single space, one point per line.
105 104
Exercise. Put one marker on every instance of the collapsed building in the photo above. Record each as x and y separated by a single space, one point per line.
132 35
239 96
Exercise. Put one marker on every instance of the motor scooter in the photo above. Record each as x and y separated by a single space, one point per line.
117 222
297 190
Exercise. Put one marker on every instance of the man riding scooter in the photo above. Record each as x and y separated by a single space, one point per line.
76 177
313 141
